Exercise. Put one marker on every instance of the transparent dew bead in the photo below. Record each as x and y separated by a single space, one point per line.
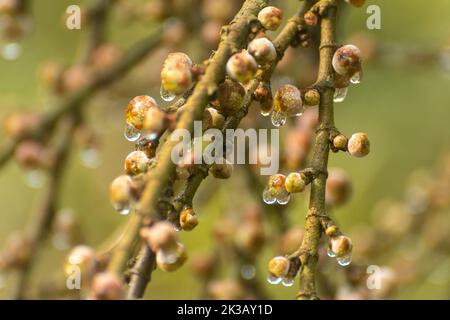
273 280
269 196
344 260
265 113
167 256
330 253
122 209
166 95
131 133
340 94
283 197
90 158
35 178
12 51
278 119
356 79
248 271
287 282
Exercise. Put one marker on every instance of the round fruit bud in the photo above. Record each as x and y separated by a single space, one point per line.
173 259
121 193
105 56
231 96
137 109
176 75
332 231
270 17
311 18
263 50
279 267
107 286
312 97
136 162
356 3
154 122
338 188
50 74
188 219
359 145
82 257
341 245
32 155
295 183
75 78
241 67
347 60
340 142
161 235
288 100
222 170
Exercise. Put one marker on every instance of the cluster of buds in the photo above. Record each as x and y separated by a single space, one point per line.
163 240
358 145
283 270
347 65
340 246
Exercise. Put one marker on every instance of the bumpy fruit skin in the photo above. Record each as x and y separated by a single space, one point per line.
294 183
356 3
136 162
359 145
188 219
347 60
332 231
231 95
137 109
270 18
338 188
107 286
263 50
288 100
341 245
121 192
340 142
279 267
312 97
241 67
176 73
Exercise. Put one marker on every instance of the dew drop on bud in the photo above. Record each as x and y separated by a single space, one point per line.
278 119
90 158
11 51
122 209
167 256
265 113
330 253
283 198
35 178
344 260
356 79
340 94
166 95
131 133
273 280
268 196
287 282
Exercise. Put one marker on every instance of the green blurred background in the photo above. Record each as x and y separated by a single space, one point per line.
404 107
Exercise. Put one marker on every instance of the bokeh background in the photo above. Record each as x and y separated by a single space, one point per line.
403 104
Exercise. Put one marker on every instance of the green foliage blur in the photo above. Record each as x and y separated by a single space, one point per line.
404 106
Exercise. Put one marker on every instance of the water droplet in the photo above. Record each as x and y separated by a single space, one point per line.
11 51
152 136
278 119
265 113
330 253
90 158
287 282
165 95
131 133
248 271
283 197
356 79
340 94
344 260
35 178
273 280
269 196
122 209
167 256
